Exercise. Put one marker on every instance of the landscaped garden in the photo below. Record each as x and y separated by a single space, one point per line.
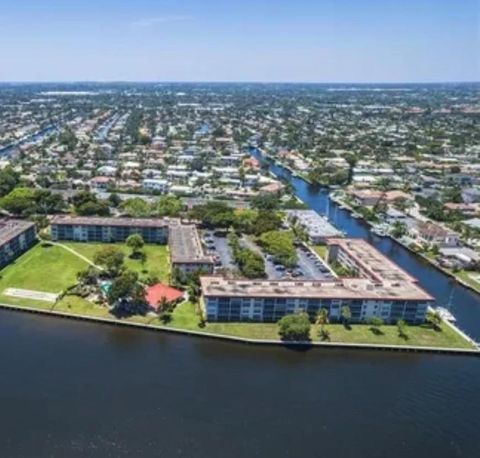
185 317
53 269
156 262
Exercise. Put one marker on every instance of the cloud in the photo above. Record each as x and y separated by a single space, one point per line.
149 22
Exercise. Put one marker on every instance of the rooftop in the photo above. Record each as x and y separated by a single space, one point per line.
381 269
314 224
11 228
185 245
346 288
105 221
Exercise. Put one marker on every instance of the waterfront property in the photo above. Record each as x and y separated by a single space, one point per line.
97 229
317 227
42 269
16 236
381 290
184 242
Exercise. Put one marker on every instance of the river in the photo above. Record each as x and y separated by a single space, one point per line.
77 389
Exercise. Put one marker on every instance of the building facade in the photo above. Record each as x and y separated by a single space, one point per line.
377 288
186 251
16 237
108 230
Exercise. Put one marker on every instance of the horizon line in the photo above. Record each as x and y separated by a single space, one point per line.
129 81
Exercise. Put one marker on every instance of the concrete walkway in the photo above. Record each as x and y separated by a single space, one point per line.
76 253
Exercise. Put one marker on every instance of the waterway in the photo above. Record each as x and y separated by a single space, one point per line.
464 303
33 138
77 389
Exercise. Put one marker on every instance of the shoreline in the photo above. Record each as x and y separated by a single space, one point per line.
430 261
249 341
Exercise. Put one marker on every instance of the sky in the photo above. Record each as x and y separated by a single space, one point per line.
240 40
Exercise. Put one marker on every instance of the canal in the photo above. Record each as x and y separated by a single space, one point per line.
33 138
464 303
77 389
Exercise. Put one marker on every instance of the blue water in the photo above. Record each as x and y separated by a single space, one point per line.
465 303
36 137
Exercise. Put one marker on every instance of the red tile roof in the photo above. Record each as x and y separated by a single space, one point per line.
157 292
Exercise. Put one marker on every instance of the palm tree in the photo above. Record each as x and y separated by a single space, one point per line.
402 329
434 318
346 314
322 320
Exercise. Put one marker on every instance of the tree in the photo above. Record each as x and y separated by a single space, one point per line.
214 214
322 320
114 199
47 202
99 208
19 201
87 204
375 323
295 327
8 180
250 263
88 276
245 220
111 259
346 314
267 221
435 319
402 329
280 244
127 296
122 287
135 243
168 206
265 201
398 229
136 207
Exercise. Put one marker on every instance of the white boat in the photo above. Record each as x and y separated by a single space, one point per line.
445 314
379 230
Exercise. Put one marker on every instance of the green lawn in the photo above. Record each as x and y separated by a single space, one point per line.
80 306
466 277
185 317
321 250
157 263
53 269
43 268
422 335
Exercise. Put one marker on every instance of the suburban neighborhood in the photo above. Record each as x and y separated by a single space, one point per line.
170 214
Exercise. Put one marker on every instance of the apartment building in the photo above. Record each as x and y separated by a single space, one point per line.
16 236
186 251
98 229
381 289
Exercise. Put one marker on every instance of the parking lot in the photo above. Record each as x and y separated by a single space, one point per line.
312 266
217 246
309 265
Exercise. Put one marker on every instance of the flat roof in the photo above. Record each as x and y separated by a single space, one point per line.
185 245
343 288
371 260
314 224
106 221
11 228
